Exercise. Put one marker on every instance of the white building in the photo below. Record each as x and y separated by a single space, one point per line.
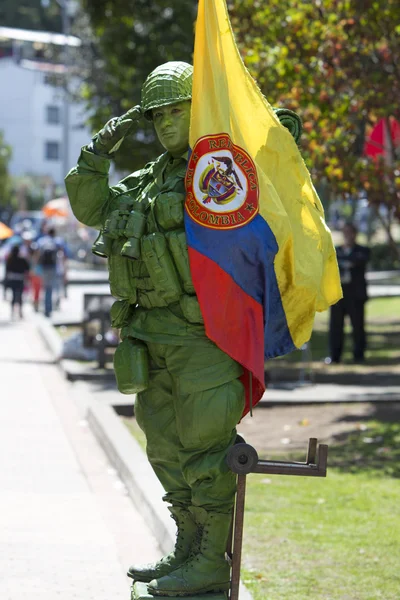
32 109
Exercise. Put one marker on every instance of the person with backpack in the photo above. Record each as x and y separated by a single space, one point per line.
49 247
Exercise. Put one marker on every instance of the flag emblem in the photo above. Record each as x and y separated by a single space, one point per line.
221 183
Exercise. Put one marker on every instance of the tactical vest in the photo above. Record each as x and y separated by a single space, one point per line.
145 243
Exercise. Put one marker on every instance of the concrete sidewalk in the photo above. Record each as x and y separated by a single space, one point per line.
67 528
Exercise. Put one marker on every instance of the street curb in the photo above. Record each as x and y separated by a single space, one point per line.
49 335
74 371
122 450
132 465
126 456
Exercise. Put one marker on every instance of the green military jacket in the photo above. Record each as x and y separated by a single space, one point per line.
157 298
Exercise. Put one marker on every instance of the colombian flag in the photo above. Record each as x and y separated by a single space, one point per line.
261 255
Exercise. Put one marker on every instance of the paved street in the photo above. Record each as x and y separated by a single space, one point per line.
67 528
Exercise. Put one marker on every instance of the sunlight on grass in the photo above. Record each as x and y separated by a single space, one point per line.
325 539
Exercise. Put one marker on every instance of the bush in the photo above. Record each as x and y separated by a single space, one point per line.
383 259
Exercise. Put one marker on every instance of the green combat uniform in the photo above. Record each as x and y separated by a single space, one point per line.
193 396
191 399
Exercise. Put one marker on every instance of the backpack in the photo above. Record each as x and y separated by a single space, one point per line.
48 255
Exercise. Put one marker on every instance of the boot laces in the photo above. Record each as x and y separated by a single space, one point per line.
196 545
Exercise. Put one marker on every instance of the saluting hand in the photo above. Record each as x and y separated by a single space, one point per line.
110 138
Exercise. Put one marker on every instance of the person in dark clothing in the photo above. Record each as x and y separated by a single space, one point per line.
352 259
17 269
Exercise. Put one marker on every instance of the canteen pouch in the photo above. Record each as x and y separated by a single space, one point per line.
178 247
120 274
161 267
102 245
191 309
168 210
119 313
131 366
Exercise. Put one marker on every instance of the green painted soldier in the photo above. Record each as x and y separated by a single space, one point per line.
189 397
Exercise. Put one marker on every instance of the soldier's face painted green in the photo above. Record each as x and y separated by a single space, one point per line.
172 126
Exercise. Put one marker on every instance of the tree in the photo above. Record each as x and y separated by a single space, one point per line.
5 156
337 63
30 14
124 40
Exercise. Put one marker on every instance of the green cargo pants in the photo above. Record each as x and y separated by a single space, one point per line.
189 414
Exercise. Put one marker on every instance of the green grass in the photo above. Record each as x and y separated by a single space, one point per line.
136 432
65 331
329 539
324 539
383 335
375 450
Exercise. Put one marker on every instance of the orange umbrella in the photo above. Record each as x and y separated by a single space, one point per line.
56 208
5 232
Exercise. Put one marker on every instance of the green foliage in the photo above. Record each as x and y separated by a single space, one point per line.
336 63
30 14
124 41
382 259
5 156
28 192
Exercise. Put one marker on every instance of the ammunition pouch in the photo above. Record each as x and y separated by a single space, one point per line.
131 366
159 263
134 229
169 210
122 283
178 247
191 309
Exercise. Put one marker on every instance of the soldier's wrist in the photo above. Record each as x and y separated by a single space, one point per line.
96 147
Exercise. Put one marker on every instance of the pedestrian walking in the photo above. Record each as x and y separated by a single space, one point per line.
352 259
17 269
49 248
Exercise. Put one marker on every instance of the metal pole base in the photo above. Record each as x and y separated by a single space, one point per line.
139 592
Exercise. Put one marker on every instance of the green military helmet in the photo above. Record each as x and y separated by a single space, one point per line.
167 84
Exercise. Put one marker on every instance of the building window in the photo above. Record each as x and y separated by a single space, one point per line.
53 115
52 150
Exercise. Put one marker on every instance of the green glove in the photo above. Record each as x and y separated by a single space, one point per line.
291 121
109 139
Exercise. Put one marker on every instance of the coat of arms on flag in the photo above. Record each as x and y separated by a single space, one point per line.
221 183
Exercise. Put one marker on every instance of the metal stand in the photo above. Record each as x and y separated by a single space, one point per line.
243 459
